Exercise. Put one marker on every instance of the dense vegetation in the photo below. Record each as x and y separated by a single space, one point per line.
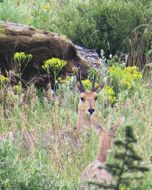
127 97
99 24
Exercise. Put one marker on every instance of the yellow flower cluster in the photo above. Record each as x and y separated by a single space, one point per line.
87 84
125 77
123 188
17 89
64 81
54 64
107 95
21 57
133 71
46 6
109 92
3 79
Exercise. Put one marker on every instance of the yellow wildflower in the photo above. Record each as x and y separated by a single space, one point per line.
3 79
54 64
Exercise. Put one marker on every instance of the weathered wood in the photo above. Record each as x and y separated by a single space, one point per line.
41 44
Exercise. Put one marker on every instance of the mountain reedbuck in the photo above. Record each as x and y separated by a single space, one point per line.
96 171
87 105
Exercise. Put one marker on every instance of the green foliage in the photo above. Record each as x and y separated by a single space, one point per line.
107 95
32 173
15 11
100 24
93 74
63 166
87 84
67 80
3 79
95 24
124 78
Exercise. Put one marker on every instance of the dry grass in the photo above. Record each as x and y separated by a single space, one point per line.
66 159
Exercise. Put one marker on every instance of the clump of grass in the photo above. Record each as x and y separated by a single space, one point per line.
66 163
33 172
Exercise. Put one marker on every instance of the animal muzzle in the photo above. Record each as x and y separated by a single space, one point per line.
91 111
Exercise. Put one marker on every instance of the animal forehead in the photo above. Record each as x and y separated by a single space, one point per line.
88 95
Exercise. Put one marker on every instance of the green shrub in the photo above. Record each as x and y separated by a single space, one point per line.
99 24
31 173
107 95
124 78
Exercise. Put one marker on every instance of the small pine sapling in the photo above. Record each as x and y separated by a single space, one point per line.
126 167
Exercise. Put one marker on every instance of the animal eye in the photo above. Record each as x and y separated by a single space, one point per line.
96 98
82 99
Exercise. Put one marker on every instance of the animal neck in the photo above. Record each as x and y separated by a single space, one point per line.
105 142
83 120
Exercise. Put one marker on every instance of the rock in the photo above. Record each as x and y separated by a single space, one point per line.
42 45
89 54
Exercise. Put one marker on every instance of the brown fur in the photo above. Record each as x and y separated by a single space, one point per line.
84 119
96 171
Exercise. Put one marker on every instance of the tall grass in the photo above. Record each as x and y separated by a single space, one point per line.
61 167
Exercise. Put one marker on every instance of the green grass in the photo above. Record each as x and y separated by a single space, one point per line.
62 166
35 170
94 24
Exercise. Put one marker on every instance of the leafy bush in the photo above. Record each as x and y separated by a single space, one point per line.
99 24
30 173
124 78
107 95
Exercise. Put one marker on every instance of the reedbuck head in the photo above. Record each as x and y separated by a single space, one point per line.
87 103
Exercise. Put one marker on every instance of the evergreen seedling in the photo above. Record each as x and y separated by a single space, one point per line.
126 167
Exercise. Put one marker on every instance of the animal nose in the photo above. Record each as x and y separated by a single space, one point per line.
91 110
